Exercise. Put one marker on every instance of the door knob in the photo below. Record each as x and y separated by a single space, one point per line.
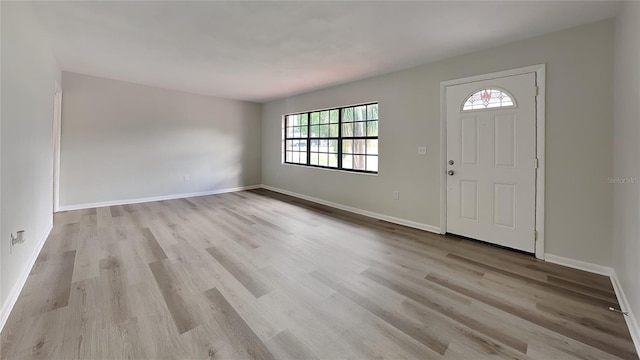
450 172
450 162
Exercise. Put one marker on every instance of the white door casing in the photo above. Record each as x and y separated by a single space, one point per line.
57 125
491 192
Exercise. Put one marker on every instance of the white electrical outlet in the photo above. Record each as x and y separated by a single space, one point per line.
18 238
422 150
396 195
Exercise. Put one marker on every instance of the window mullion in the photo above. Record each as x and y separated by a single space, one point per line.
308 138
340 138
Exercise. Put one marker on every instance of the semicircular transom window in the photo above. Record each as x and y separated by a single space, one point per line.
488 99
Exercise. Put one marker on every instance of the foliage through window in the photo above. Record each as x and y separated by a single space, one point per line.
487 99
343 138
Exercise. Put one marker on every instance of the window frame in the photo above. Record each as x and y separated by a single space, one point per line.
340 138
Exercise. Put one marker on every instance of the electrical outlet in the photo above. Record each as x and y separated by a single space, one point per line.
396 195
18 238
422 150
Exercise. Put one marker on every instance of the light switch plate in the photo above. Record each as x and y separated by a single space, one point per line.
422 150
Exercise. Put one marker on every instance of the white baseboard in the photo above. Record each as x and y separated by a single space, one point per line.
395 220
632 321
155 198
22 279
577 264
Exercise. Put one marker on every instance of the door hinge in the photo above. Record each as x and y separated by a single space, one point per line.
536 163
535 235
536 91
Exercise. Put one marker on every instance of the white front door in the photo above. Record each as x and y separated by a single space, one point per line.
491 160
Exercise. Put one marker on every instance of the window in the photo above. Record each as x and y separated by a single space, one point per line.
343 138
487 99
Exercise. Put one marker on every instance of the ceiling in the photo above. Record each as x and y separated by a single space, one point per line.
259 51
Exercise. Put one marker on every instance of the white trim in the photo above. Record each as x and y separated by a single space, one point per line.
540 71
395 220
580 265
155 198
632 321
22 279
541 83
57 133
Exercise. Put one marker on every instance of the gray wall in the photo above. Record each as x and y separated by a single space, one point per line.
29 73
122 141
579 138
626 147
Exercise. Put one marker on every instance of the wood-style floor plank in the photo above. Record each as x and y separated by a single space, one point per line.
252 346
261 275
171 293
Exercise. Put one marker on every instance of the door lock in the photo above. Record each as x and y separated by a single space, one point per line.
450 172
451 162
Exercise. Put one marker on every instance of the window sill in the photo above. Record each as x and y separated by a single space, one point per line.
331 169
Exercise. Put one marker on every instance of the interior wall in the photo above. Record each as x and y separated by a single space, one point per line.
122 141
579 137
626 147
29 72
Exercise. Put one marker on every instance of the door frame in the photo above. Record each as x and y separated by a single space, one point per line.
57 128
540 71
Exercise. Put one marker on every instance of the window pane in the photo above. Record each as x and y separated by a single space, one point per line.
324 117
289 132
333 146
323 159
297 145
324 131
314 145
303 119
372 147
314 158
303 157
360 113
488 98
347 130
359 162
296 157
347 115
324 145
372 163
347 146
359 128
358 147
334 130
333 116
288 145
288 156
347 161
372 112
315 118
315 131
372 128
333 160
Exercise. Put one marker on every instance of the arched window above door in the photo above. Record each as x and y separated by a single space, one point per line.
488 99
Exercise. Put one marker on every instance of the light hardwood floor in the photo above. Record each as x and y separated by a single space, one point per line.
256 274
